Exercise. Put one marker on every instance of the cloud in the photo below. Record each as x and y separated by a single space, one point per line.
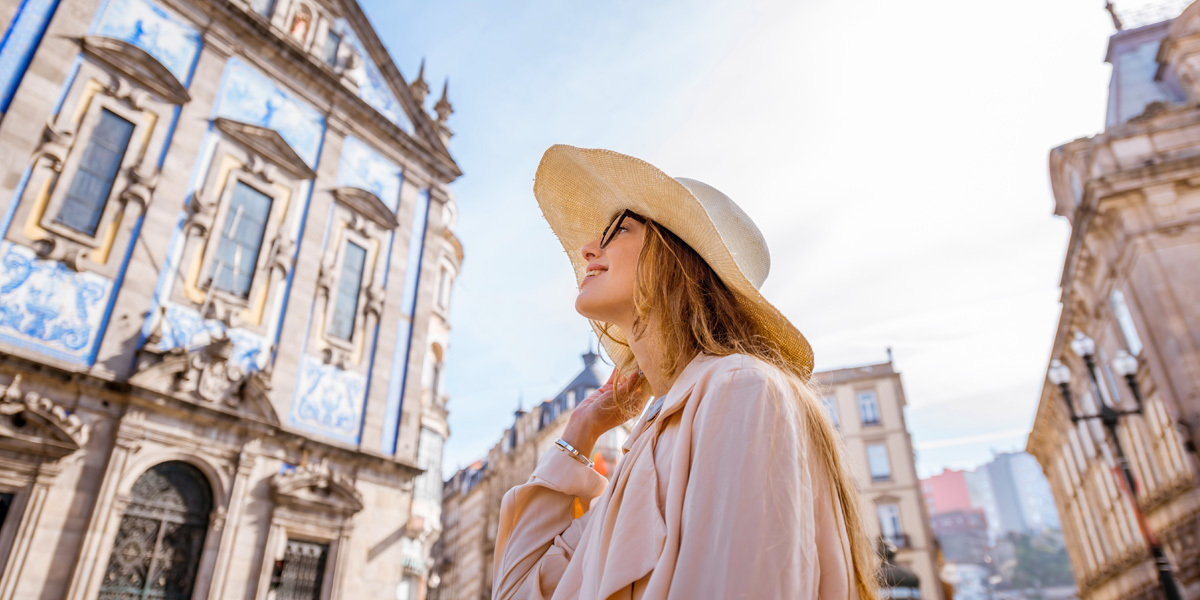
973 439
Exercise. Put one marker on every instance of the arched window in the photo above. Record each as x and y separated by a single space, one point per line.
161 535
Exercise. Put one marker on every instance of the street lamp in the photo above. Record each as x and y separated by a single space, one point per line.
1060 375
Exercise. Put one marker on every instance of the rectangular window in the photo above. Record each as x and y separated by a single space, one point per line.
443 297
300 574
241 239
345 306
332 42
877 458
85 200
263 7
5 502
868 407
830 402
1125 320
889 525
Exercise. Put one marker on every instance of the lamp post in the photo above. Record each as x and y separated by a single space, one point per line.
1126 365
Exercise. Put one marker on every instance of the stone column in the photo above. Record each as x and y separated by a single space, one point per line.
104 511
237 499
339 562
26 530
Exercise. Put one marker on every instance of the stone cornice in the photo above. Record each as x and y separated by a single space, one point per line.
268 144
136 64
38 425
102 385
368 205
316 487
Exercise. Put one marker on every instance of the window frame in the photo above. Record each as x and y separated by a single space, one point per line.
898 522
270 232
134 153
326 54
336 289
831 408
212 276
1126 324
348 235
887 460
858 397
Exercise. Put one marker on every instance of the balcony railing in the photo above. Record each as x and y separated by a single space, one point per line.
899 540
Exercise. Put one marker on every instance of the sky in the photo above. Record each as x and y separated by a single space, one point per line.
894 155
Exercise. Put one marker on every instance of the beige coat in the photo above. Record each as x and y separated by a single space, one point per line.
716 497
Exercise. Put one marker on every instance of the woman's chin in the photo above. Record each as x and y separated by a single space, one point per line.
587 306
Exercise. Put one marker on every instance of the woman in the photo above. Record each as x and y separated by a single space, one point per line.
732 483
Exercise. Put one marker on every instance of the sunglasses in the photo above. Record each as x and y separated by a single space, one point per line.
610 232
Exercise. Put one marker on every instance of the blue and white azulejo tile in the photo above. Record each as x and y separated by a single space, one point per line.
47 306
362 167
160 32
329 400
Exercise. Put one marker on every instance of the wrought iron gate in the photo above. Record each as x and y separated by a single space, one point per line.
299 575
160 537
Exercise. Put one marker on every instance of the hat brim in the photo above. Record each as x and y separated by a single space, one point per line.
580 190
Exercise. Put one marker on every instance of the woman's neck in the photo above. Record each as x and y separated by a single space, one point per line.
650 359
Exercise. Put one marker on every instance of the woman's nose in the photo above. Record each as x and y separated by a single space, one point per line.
590 250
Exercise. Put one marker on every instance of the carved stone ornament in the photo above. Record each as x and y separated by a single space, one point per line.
315 487
200 215
33 424
55 146
136 64
267 144
207 376
368 205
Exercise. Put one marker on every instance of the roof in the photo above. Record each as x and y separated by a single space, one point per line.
854 373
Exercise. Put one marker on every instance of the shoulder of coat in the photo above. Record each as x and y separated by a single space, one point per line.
742 366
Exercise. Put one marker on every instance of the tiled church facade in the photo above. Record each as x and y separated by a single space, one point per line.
226 255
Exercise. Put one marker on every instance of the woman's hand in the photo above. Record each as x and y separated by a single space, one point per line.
600 412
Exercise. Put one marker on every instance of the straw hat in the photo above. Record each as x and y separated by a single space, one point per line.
580 191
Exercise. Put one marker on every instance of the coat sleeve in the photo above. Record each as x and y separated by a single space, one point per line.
537 532
747 526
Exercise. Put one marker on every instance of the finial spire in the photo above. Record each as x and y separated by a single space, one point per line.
443 107
418 87
1112 12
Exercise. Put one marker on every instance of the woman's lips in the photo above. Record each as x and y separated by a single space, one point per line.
589 278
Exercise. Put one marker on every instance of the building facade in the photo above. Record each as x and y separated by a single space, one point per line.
867 405
963 535
226 254
1131 284
471 502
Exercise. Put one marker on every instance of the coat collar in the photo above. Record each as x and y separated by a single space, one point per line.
675 398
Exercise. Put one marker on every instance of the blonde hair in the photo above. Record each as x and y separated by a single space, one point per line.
695 312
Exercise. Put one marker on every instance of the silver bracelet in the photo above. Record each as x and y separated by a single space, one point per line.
570 450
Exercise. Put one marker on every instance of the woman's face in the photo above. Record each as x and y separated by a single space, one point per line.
606 292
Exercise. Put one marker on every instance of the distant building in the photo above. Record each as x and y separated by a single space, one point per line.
867 405
471 499
946 492
1011 491
1022 494
1131 282
963 535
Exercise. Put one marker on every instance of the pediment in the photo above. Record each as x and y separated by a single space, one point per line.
207 376
268 144
33 424
368 205
316 488
136 64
